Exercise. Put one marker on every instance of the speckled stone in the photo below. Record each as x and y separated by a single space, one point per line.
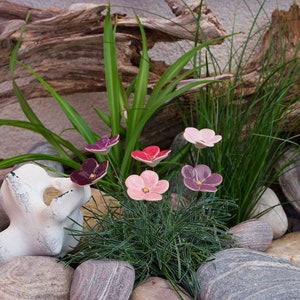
102 279
35 277
240 273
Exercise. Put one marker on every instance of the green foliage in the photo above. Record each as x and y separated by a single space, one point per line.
125 117
156 239
253 128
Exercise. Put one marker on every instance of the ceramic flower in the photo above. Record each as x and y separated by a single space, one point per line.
201 138
151 155
103 145
200 178
147 186
90 172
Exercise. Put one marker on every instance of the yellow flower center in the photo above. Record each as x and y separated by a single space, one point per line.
145 190
199 182
92 176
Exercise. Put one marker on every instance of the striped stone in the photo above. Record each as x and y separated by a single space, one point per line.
248 274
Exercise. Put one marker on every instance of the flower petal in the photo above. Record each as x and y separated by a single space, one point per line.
188 171
134 182
160 187
191 184
135 194
89 165
140 156
203 171
191 134
206 134
150 178
152 196
152 151
214 179
101 169
207 188
80 177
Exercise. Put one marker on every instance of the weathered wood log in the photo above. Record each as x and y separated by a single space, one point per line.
280 44
66 47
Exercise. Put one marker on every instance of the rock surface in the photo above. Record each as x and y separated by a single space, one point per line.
287 247
156 288
102 279
35 277
253 234
248 274
290 179
269 209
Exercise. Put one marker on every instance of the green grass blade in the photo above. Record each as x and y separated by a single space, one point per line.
44 132
71 113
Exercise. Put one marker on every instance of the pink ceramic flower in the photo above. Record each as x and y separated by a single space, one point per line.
200 178
151 155
147 186
201 138
90 172
103 145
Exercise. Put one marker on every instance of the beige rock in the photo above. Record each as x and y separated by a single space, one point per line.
35 277
154 288
287 247
269 209
253 234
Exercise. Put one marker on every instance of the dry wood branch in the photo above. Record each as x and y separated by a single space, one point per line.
66 47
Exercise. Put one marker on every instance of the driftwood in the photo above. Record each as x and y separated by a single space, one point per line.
66 47
282 36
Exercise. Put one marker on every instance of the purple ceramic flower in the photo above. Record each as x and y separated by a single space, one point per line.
147 186
200 178
90 172
103 145
201 138
151 155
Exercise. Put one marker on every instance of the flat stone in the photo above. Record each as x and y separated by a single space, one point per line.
35 277
154 288
102 279
287 247
240 273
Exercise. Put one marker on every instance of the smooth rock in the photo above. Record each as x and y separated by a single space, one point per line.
289 178
287 247
253 234
154 288
102 279
240 273
268 208
35 277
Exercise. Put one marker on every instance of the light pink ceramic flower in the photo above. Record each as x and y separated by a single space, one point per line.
200 178
151 155
103 145
147 186
201 138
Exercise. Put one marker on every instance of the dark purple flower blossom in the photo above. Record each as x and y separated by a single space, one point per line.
200 178
90 172
103 145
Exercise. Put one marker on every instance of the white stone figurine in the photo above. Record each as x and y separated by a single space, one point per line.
36 228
